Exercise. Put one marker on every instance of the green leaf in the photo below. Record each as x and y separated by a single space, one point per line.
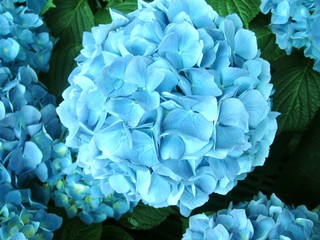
67 22
46 7
266 39
124 6
75 229
246 9
297 95
300 182
115 233
102 16
145 217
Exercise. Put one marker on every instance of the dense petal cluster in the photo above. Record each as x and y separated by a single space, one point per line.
258 219
167 105
28 125
78 193
21 218
296 25
24 38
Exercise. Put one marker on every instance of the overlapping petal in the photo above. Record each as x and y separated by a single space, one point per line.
261 218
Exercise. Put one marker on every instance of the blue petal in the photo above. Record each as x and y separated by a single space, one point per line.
189 123
126 110
218 232
181 45
249 50
143 149
26 159
193 200
202 82
172 147
148 100
281 14
256 106
159 191
143 181
114 140
119 183
262 227
233 113
136 71
9 49
228 137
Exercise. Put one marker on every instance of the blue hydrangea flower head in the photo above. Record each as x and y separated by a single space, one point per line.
167 105
261 218
24 38
21 218
295 24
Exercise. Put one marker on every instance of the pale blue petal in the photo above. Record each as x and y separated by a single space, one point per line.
119 183
147 100
233 113
249 50
143 181
137 71
143 149
126 110
202 82
228 136
159 190
256 106
172 147
113 141
181 45
189 123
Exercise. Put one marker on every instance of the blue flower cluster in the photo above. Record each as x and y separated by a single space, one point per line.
167 105
296 25
28 124
21 218
28 127
258 219
24 38
78 193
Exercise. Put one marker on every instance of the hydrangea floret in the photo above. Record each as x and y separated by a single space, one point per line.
168 105
260 218
295 24
24 38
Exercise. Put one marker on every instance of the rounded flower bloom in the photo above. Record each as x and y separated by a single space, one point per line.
295 24
78 193
24 38
21 218
258 219
167 105
28 125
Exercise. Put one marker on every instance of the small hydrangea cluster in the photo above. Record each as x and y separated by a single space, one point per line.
167 105
296 25
258 219
24 38
28 124
79 194
22 219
